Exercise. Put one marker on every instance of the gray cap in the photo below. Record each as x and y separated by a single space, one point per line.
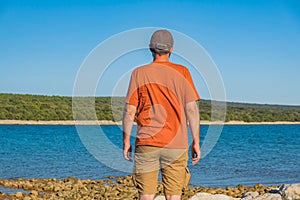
161 41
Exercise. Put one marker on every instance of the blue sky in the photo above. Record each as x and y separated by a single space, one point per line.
255 44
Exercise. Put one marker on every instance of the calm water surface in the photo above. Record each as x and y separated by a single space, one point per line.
244 154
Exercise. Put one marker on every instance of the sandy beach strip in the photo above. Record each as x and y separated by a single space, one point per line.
59 122
245 123
107 122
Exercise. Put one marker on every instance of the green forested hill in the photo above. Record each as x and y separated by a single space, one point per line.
38 107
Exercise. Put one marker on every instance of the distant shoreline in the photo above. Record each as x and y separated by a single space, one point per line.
107 122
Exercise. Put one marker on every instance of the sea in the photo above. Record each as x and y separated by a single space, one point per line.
239 154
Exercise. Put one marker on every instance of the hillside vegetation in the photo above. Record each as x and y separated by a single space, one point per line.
43 108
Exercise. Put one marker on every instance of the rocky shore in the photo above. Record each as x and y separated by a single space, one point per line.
122 188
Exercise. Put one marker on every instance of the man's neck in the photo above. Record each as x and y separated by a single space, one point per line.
161 58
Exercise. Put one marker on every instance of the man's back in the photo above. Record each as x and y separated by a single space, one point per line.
160 91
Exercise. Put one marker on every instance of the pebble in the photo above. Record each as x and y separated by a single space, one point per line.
268 196
33 192
19 194
250 195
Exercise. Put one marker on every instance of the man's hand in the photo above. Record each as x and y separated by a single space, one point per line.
196 153
127 151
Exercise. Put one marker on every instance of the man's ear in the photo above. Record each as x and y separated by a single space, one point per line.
171 50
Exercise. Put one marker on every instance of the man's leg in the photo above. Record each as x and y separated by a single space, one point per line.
175 174
146 169
147 196
173 197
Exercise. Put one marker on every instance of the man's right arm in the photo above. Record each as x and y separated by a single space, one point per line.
192 113
128 118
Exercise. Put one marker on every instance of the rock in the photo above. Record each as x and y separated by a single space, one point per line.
33 192
19 195
258 185
290 192
6 184
206 196
274 191
56 189
268 196
250 195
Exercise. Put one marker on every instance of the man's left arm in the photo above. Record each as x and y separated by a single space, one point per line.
128 118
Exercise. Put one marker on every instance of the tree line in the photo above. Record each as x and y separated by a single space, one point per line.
45 108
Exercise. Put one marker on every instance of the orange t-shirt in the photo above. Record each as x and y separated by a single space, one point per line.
160 91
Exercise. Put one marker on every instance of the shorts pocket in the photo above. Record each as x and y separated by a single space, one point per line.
187 177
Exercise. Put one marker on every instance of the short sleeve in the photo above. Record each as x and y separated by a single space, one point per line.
191 92
132 92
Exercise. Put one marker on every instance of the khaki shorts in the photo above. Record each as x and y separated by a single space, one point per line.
172 163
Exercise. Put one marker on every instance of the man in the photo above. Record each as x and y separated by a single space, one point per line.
162 98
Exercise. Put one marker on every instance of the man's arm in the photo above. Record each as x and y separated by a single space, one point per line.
192 114
128 117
